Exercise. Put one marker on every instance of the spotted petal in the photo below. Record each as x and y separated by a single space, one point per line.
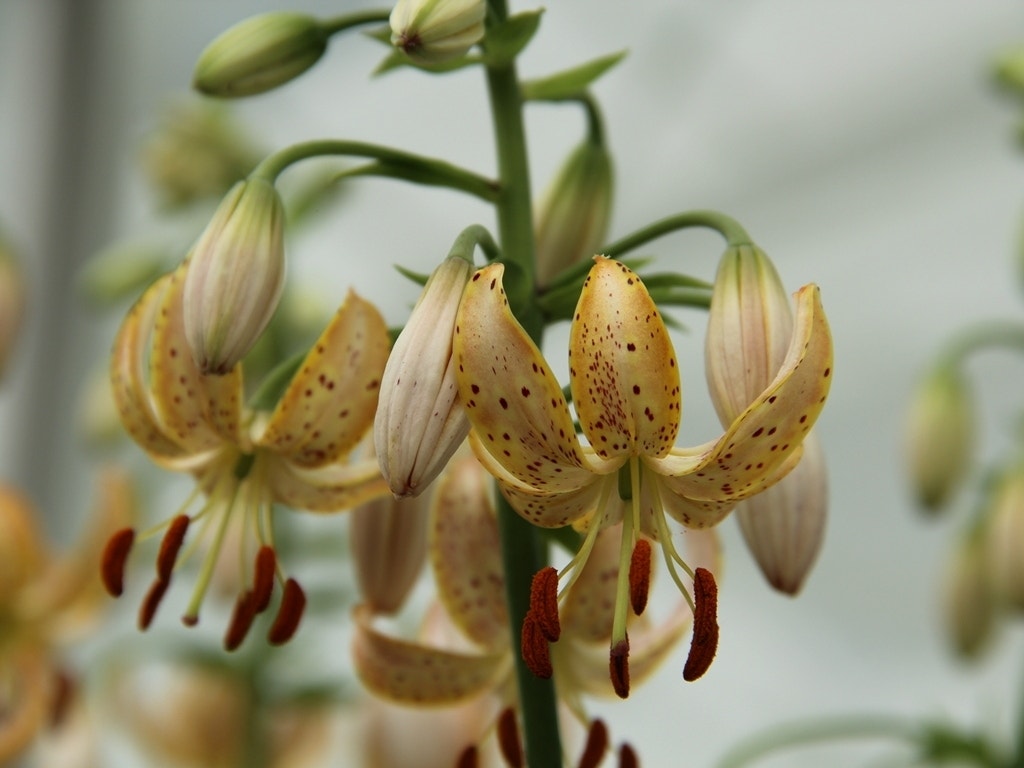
763 442
622 366
330 488
511 396
412 673
330 402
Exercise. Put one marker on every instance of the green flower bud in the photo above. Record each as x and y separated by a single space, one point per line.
12 303
259 54
1009 71
970 607
235 276
1005 538
572 219
436 31
940 437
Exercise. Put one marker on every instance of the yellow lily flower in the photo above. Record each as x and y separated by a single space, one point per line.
464 652
626 390
245 459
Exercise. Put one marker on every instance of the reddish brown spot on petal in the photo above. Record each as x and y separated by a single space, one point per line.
263 578
596 746
170 546
152 601
115 555
293 604
534 647
627 757
618 668
544 603
640 575
241 621
470 758
705 625
508 738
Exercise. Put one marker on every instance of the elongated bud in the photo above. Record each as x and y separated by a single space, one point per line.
12 302
940 436
436 31
572 218
388 538
970 607
1005 539
235 276
420 420
259 54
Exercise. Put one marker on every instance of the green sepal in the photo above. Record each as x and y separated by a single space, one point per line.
507 40
396 60
570 83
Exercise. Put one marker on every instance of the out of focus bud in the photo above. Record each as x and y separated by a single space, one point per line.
436 31
12 303
195 153
970 606
940 436
235 276
21 554
420 421
784 526
259 54
388 537
1009 71
1005 539
572 219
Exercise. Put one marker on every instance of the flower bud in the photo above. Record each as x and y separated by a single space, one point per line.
1005 539
436 31
235 276
388 537
749 328
12 303
784 526
970 610
940 436
420 421
259 54
572 219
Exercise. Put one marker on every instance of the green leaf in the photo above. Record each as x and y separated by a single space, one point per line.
417 277
507 40
570 83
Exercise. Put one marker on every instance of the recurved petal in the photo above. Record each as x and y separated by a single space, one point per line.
553 509
764 441
465 553
622 366
511 397
411 673
330 402
331 488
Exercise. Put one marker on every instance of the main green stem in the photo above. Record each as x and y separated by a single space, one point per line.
522 551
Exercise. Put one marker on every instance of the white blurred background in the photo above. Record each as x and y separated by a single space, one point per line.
861 144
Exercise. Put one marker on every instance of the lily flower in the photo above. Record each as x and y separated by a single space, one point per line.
464 652
626 390
245 459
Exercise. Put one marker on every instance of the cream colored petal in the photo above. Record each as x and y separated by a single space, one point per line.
465 553
330 403
332 488
511 397
24 699
765 439
225 396
411 673
622 367
590 604
553 510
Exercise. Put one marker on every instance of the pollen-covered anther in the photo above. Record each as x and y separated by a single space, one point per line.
468 758
534 647
508 738
704 642
263 578
289 614
618 667
627 757
170 546
544 603
115 556
241 620
151 602
596 746
640 575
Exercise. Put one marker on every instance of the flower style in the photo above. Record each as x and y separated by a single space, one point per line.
464 653
245 459
625 385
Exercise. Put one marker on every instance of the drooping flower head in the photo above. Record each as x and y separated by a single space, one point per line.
625 387
436 31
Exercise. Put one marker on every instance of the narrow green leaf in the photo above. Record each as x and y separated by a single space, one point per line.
570 83
507 40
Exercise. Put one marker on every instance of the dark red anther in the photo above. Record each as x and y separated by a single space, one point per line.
640 575
151 602
544 603
618 667
170 547
704 642
534 647
115 556
289 614
627 757
596 746
263 578
469 758
508 738
241 620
